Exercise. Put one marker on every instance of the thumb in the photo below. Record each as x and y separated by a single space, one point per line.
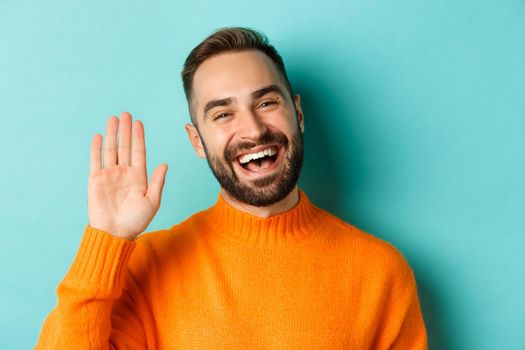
156 184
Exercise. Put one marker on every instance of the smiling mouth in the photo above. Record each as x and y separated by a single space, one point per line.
257 161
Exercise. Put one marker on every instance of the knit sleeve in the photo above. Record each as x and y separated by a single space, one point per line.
403 317
86 306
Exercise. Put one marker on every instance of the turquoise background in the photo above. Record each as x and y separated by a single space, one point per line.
415 124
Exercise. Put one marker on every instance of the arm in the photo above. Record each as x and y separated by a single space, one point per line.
411 333
99 304
81 320
401 324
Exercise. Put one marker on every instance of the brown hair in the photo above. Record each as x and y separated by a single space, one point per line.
224 40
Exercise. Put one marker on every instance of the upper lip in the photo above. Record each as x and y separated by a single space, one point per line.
256 149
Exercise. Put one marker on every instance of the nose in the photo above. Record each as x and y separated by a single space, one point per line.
251 126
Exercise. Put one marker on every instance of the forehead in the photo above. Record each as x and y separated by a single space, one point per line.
233 74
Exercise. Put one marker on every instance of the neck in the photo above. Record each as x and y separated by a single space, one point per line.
264 212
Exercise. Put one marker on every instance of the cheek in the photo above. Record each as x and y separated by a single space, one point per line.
287 123
216 142
290 128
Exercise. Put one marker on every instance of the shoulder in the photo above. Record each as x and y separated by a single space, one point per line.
171 242
362 246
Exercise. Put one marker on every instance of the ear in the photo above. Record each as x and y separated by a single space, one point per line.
300 116
195 140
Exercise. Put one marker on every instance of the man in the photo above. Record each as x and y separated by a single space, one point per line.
261 269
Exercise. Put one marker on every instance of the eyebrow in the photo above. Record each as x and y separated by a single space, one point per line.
266 90
216 103
256 94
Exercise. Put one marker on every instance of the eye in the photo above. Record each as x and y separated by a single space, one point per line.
268 103
220 116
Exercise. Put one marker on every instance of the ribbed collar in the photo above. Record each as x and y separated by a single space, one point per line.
288 227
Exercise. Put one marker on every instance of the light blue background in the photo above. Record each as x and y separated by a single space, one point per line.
415 124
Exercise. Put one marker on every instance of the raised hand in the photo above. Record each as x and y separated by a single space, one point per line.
120 201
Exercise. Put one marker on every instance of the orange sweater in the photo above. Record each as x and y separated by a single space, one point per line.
224 279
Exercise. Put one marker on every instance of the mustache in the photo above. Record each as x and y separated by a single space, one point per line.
269 138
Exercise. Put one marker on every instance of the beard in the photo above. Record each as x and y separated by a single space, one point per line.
266 190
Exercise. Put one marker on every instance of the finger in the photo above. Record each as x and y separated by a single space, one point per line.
95 153
156 184
110 154
138 149
124 139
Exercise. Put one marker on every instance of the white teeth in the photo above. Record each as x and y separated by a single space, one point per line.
251 156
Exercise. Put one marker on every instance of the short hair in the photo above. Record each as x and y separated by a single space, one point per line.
228 39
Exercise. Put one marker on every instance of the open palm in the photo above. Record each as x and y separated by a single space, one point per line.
120 201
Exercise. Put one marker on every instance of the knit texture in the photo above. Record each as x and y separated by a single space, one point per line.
224 279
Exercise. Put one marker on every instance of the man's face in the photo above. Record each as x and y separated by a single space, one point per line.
249 128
